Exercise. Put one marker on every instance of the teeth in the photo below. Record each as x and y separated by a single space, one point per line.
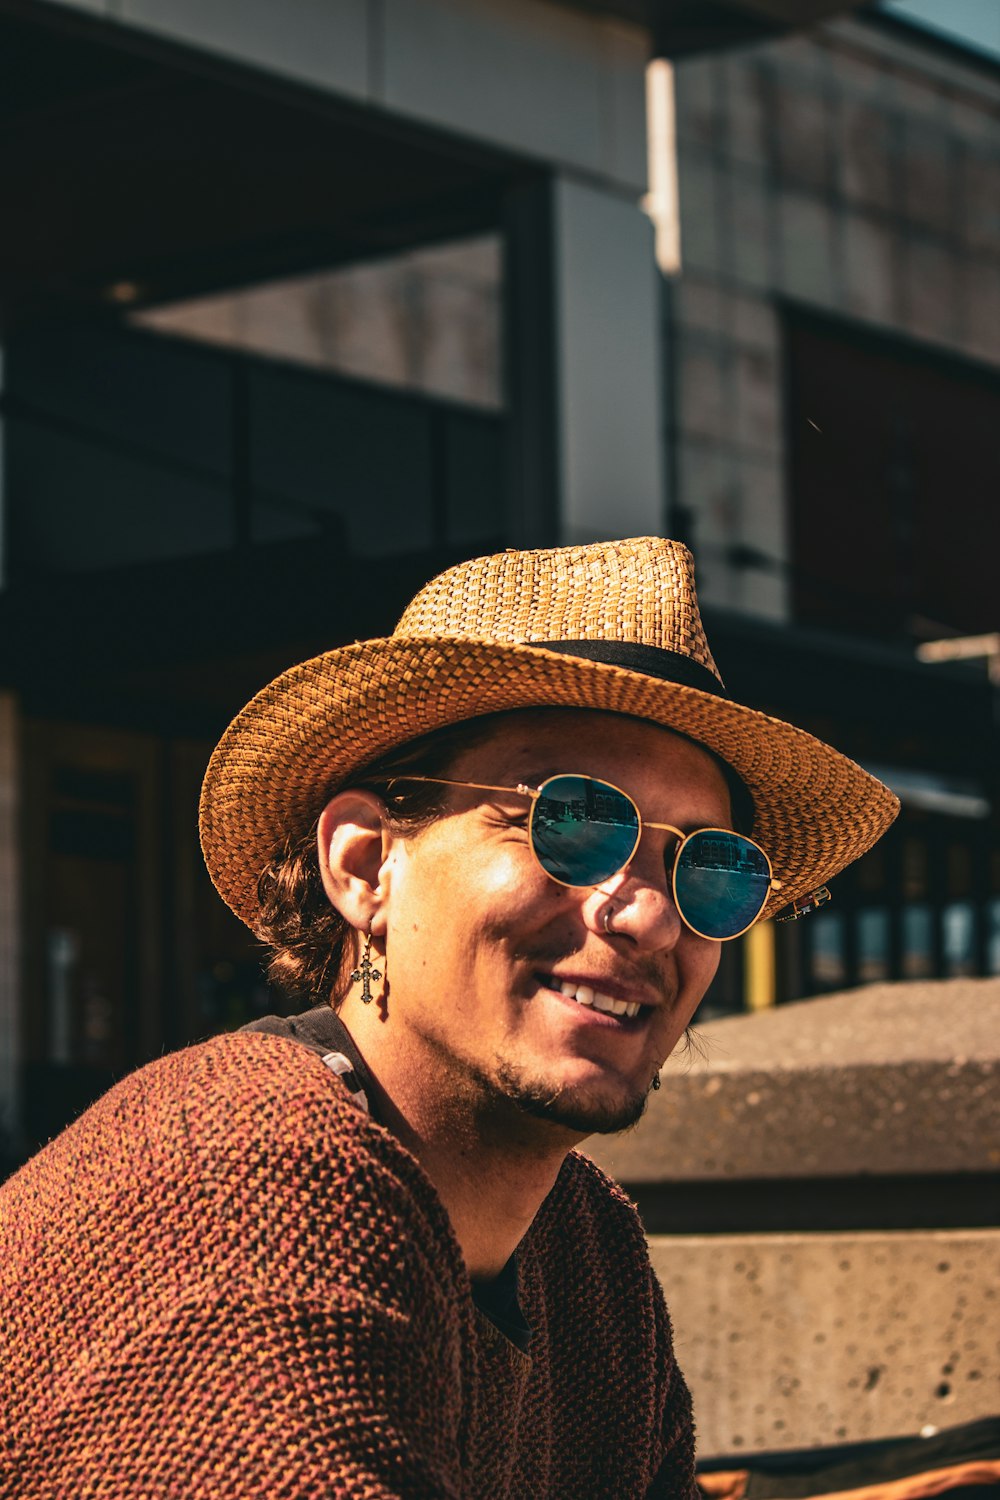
583 994
613 1007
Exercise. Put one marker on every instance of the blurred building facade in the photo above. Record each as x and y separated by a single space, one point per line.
834 342
302 303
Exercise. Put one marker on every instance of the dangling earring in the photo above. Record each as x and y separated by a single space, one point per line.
366 971
656 1082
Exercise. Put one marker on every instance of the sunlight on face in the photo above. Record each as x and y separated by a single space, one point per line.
504 984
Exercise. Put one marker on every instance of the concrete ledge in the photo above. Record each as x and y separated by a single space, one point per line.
796 1340
891 1079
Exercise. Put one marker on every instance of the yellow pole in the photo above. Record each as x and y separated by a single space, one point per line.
758 967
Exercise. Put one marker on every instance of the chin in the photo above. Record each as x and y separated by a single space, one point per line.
582 1108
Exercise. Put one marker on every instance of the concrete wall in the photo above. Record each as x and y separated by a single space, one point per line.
796 1339
887 1079
792 1340
848 169
608 366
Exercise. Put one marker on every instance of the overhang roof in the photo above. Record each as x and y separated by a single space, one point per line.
128 163
682 27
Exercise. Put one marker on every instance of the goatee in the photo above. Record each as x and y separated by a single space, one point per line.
587 1113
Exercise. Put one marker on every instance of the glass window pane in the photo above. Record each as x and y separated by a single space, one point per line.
870 872
918 943
914 869
329 455
79 504
428 320
829 968
873 945
959 868
959 934
993 936
119 452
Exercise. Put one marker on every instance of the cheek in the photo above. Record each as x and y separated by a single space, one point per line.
711 961
696 972
489 866
699 969
469 896
501 875
503 901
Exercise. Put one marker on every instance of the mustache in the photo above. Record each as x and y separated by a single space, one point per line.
643 970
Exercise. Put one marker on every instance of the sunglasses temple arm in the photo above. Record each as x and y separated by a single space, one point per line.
476 786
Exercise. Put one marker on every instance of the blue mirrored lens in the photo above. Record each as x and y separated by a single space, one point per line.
721 883
582 831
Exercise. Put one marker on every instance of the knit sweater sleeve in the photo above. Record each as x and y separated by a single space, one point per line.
229 1283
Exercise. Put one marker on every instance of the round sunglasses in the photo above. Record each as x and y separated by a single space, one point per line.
582 831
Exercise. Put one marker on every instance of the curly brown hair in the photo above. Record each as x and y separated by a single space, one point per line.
313 949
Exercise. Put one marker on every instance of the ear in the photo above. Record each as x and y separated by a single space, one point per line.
354 849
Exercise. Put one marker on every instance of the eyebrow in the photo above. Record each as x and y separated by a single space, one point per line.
533 776
535 779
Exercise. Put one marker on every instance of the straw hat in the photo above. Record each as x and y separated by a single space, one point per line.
612 626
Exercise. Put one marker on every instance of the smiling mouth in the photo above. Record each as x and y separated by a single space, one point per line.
592 999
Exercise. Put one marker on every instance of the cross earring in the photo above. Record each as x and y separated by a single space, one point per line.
366 971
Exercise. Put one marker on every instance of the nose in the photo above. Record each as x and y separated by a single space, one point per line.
638 905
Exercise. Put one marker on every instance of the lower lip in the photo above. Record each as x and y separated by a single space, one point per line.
587 1013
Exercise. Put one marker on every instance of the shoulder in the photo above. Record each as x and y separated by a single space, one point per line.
220 1098
244 1154
228 1231
610 1257
237 1092
289 1158
582 1190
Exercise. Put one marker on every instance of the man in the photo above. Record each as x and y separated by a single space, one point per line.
354 1253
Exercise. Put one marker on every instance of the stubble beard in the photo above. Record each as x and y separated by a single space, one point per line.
582 1111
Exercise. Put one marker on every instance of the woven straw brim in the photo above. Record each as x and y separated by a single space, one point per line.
303 735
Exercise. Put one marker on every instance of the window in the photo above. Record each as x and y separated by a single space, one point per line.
428 320
885 440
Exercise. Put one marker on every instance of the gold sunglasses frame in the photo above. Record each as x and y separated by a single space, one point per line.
534 793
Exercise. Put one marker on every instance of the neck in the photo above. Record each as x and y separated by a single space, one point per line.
492 1165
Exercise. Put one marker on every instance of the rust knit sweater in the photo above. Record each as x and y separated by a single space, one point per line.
225 1280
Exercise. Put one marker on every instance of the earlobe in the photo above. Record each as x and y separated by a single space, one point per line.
354 847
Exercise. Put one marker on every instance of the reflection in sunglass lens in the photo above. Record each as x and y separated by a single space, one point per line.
721 882
583 831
